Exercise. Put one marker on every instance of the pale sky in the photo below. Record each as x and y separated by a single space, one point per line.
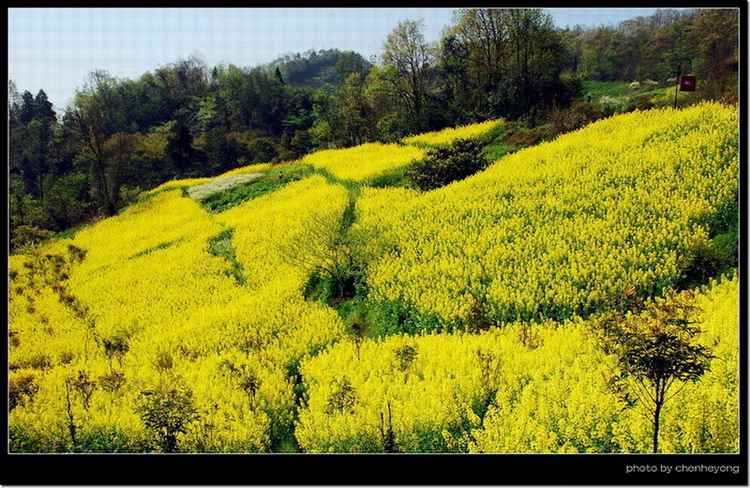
55 48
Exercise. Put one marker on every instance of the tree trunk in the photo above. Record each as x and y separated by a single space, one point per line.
71 420
105 188
657 413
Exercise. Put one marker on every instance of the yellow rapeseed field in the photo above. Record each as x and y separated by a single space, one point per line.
531 388
446 136
252 168
561 228
182 322
172 328
363 162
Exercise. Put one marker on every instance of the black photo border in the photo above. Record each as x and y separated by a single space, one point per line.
413 469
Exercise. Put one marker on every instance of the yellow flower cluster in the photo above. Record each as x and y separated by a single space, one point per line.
253 168
150 309
363 162
525 388
446 136
561 228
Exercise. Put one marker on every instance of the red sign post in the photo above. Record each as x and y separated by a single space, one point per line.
684 83
687 83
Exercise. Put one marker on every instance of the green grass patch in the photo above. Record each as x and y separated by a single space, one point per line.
396 178
163 245
491 135
351 186
493 152
614 89
71 232
374 319
221 246
319 288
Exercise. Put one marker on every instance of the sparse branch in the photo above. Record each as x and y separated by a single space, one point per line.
656 350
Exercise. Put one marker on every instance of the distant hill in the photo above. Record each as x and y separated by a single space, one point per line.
316 70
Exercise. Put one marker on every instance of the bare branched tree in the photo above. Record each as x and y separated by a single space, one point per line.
324 247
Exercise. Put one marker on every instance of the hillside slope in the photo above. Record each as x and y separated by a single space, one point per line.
562 228
174 328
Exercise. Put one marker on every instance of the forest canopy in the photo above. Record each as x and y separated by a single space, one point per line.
119 137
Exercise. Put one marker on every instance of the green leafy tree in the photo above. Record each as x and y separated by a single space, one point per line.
658 354
180 148
503 62
325 248
482 35
67 200
93 117
390 117
410 55
167 412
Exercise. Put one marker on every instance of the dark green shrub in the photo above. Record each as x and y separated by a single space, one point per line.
76 253
113 381
343 399
357 326
20 390
13 339
167 412
579 114
405 355
115 348
448 164
521 136
163 361
28 236
478 319
702 264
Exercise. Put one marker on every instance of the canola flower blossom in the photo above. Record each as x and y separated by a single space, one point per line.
149 311
249 169
522 388
562 228
363 162
451 134
170 304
